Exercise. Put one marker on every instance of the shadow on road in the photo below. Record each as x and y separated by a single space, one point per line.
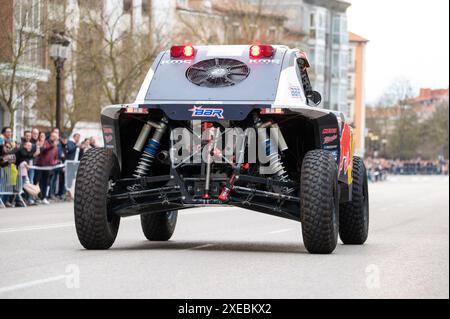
219 246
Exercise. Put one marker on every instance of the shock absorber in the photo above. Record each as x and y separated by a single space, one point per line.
276 166
151 148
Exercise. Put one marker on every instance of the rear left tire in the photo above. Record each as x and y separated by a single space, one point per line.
159 226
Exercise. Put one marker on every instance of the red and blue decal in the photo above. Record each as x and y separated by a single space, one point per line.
346 160
199 111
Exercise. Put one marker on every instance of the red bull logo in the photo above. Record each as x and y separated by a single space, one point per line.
346 149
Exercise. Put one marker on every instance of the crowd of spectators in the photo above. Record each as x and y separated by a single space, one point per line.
379 168
35 156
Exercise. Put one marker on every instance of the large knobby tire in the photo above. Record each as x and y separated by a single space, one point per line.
159 226
96 227
319 202
354 215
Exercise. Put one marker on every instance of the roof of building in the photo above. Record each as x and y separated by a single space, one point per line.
353 37
336 5
231 7
426 102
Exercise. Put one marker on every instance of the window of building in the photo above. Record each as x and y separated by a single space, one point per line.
321 27
319 62
183 3
312 56
235 32
312 20
28 15
127 6
343 95
343 66
146 7
312 25
334 98
351 84
335 65
351 53
272 32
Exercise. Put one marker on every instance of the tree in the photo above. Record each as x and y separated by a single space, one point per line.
121 57
404 139
394 122
22 42
109 58
235 22
434 133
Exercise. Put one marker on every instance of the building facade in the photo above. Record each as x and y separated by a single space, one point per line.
356 89
318 27
23 59
327 44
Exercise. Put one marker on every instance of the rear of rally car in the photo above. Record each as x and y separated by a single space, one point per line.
228 125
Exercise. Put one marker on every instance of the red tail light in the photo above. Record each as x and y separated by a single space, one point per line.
182 51
261 51
188 51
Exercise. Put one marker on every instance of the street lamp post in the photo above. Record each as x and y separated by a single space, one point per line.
59 45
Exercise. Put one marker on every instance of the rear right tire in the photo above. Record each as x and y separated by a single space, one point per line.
354 215
95 224
319 202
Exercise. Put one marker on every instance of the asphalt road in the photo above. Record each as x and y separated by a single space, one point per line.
232 253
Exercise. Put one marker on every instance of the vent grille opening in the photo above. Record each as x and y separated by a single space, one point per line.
218 72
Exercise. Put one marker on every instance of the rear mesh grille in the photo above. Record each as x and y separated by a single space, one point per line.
215 73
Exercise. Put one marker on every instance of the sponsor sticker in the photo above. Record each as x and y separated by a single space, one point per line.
176 62
264 61
346 156
329 131
108 139
329 139
107 130
295 91
200 111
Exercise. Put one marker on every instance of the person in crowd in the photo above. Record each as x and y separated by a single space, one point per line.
26 137
34 136
24 158
25 153
7 136
59 177
92 142
71 147
6 157
48 156
85 146
41 140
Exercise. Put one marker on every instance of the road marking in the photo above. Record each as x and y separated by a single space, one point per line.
32 283
201 246
37 227
280 231
71 224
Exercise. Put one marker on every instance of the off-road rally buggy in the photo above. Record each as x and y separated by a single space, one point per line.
224 126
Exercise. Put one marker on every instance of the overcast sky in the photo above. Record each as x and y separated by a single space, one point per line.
409 39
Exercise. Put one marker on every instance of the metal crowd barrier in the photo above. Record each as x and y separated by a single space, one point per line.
70 173
11 183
